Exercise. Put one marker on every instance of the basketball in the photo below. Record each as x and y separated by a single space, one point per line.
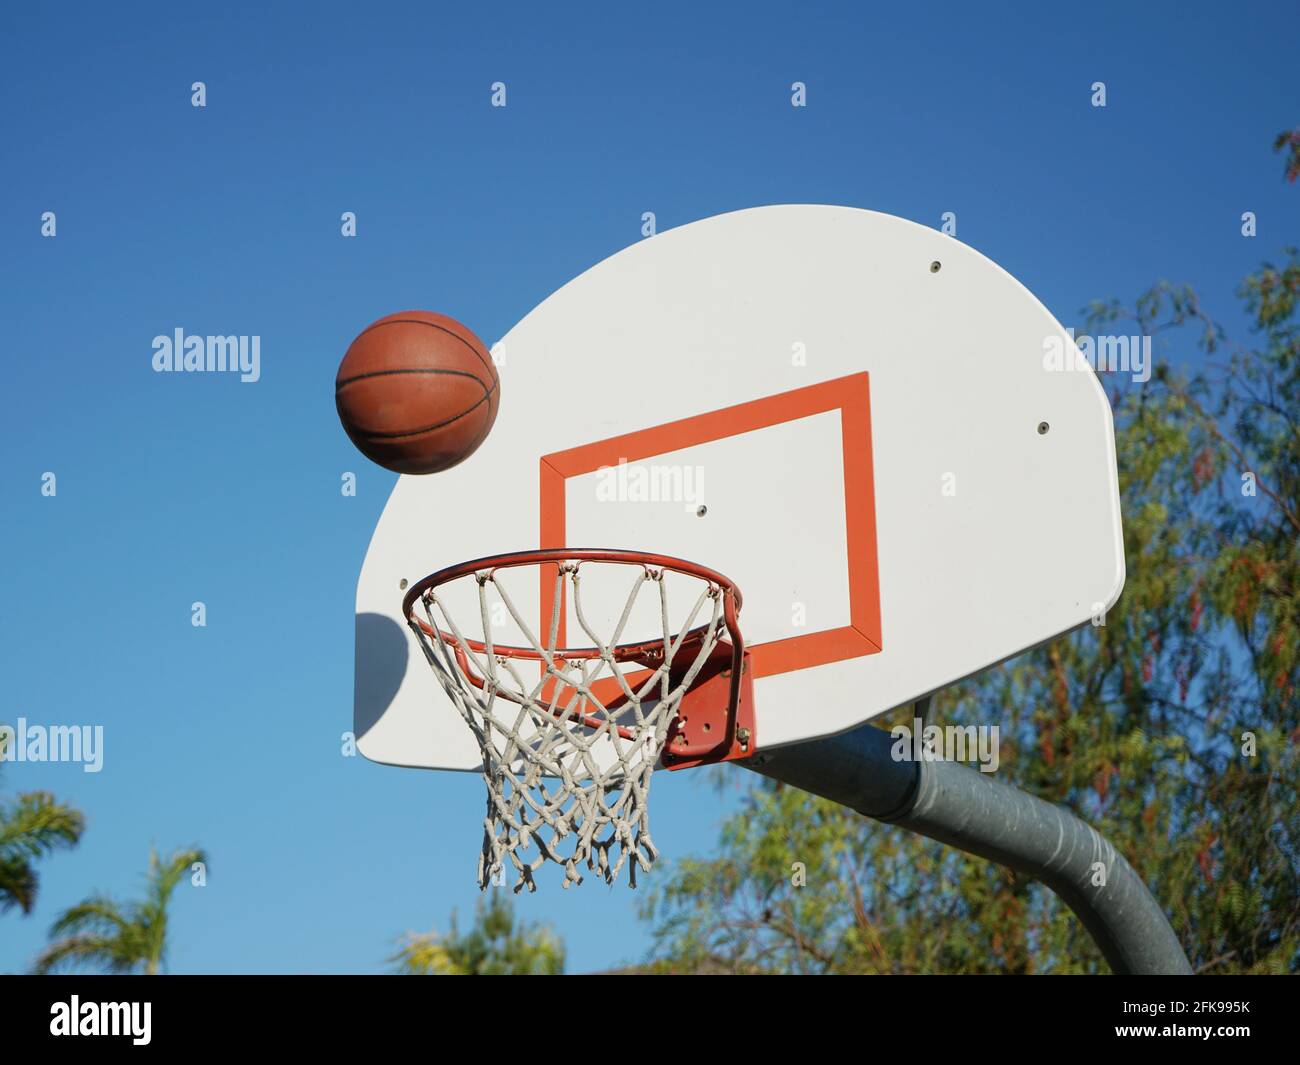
417 392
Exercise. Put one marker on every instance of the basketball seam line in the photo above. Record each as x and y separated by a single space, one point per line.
369 435
430 370
430 325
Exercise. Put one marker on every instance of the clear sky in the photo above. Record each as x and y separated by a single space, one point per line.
181 488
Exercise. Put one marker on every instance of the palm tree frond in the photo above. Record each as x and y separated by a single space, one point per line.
37 823
97 914
18 883
120 939
30 828
104 951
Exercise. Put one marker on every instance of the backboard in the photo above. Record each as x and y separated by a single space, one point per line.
847 414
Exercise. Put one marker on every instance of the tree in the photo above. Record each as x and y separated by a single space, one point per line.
31 826
496 945
120 938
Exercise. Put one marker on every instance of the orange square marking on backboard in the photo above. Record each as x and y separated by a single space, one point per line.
851 397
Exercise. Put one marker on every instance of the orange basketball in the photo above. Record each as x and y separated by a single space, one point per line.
417 392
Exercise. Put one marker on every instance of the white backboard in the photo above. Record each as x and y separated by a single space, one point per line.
846 413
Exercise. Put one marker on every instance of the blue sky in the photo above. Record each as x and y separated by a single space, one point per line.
177 488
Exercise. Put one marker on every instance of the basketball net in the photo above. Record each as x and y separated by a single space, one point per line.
570 737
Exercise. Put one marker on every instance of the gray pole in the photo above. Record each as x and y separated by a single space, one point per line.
970 811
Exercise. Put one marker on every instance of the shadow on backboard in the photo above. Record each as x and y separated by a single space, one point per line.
384 646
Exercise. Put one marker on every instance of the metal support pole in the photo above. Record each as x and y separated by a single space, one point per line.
967 809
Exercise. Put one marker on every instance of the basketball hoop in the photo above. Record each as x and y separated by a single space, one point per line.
570 736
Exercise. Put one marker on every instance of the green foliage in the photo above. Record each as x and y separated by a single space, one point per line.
1288 142
32 826
120 938
1172 727
496 945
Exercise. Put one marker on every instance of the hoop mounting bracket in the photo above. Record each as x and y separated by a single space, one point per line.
705 729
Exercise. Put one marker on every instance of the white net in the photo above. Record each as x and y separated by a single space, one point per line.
570 737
